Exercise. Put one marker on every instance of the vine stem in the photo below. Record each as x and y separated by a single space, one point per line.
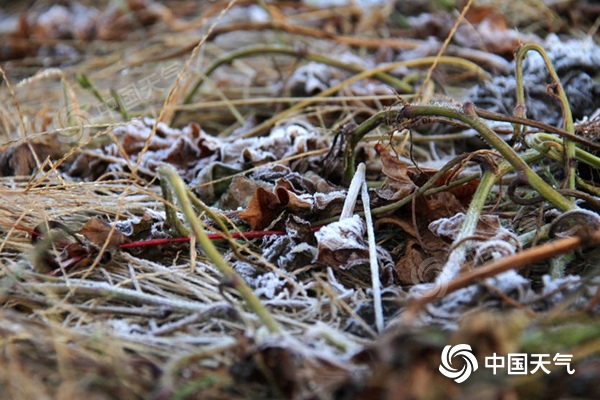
289 51
568 124
457 257
168 174
468 115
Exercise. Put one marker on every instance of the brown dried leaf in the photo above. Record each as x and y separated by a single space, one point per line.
179 147
293 202
75 255
403 180
262 210
18 160
476 15
265 206
98 232
138 228
400 185
440 205
415 266
240 193
422 259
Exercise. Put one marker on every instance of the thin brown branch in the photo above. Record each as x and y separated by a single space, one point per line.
516 262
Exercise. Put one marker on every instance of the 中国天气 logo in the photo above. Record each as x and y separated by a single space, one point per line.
470 362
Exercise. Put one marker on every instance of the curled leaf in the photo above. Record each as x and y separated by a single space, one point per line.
341 244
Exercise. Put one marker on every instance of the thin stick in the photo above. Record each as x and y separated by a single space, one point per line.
516 261
372 254
353 192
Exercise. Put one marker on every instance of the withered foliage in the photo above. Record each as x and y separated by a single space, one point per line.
103 294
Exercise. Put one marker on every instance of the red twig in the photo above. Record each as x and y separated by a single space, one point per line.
212 236
150 242
161 241
20 228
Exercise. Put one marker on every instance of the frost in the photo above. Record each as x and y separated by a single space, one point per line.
312 78
451 307
257 13
555 290
269 284
344 234
246 270
488 227
448 227
565 54
126 227
341 244
277 249
426 47
576 62
509 281
493 249
304 248
294 249
322 200
252 13
124 328
450 269
343 291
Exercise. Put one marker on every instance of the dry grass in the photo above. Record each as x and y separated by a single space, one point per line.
162 323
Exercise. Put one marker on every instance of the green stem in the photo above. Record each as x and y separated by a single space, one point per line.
361 73
419 62
174 225
307 55
357 135
168 174
86 83
457 256
468 116
568 124
550 145
588 188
